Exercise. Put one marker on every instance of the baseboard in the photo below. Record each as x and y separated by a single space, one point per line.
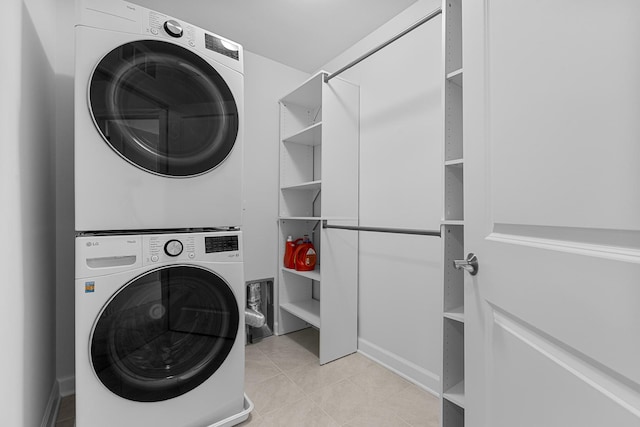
51 412
421 377
67 385
62 387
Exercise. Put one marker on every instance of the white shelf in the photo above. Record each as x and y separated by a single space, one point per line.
308 94
313 275
311 185
318 181
456 394
453 221
456 313
301 218
454 162
455 77
308 310
311 136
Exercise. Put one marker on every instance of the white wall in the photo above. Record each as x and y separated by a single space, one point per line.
27 206
401 138
266 81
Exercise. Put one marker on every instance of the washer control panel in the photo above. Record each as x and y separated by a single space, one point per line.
198 246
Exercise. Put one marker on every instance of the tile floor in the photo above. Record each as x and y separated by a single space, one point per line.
289 388
67 412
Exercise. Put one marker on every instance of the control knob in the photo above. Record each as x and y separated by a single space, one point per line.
173 247
173 28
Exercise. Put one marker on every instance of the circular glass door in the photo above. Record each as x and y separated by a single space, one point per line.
163 108
164 333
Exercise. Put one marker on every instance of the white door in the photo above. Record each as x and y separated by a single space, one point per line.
552 209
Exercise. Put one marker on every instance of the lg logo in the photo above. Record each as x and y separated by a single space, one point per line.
89 244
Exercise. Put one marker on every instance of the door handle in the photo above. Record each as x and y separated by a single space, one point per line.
469 265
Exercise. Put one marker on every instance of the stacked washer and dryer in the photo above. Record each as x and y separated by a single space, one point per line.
160 290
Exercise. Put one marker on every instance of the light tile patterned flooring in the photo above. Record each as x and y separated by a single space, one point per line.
289 388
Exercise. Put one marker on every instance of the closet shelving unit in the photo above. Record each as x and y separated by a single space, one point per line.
319 181
453 402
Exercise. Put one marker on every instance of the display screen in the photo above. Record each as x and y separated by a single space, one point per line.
221 244
222 47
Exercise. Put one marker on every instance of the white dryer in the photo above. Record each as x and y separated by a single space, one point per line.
158 122
159 329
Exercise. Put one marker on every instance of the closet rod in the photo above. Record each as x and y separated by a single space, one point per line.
427 18
383 229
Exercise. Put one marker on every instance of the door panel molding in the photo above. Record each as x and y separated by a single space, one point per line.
616 245
572 361
562 151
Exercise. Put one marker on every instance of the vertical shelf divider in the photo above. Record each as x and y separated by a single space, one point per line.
452 381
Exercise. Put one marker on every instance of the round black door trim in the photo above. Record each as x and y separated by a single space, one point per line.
164 333
163 108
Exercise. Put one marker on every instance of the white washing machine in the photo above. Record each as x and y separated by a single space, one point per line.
158 122
159 329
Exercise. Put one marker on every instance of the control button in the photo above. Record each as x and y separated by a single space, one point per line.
154 31
173 28
173 247
192 255
154 258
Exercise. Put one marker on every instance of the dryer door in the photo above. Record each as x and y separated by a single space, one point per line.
164 333
163 108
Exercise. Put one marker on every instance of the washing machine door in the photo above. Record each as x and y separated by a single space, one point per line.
163 108
164 333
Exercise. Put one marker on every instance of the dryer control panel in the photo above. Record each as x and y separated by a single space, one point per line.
125 17
165 26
